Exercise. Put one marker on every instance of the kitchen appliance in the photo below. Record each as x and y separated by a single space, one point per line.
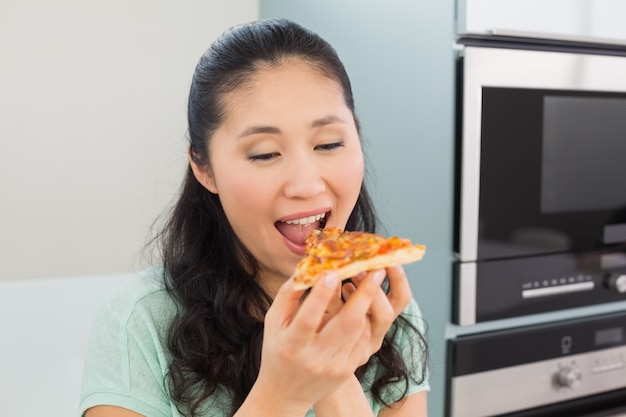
599 21
573 368
539 305
541 177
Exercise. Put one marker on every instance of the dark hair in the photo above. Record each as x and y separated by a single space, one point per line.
215 339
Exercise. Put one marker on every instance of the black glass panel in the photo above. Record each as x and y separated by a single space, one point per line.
553 170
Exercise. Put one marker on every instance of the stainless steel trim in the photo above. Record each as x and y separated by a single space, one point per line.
587 20
556 36
532 385
559 289
470 159
497 67
455 330
467 293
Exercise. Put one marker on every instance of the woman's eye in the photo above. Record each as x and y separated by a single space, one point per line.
330 146
263 156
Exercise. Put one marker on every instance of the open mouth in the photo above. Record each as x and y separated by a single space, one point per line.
296 230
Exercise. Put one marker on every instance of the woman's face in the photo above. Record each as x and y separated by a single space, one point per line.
287 159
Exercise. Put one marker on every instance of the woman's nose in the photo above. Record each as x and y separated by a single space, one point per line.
303 179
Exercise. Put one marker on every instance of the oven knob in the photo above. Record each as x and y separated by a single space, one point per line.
568 377
617 282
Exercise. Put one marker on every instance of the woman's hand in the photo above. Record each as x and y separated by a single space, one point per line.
349 398
309 353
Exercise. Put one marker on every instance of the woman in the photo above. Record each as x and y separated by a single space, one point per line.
218 330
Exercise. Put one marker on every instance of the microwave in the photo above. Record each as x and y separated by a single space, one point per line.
540 195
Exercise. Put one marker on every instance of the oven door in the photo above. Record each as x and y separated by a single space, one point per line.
543 153
570 368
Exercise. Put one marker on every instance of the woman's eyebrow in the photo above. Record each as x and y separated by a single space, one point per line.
263 129
327 120
257 129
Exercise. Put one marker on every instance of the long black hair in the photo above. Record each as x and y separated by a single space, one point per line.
215 339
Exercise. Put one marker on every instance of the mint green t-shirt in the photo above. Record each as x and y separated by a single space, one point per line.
127 358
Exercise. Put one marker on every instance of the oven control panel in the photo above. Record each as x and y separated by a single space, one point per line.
554 286
536 366
506 288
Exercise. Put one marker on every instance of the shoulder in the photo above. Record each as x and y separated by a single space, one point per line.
139 285
127 358
142 297
139 289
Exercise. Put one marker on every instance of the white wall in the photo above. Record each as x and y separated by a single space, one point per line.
92 149
92 125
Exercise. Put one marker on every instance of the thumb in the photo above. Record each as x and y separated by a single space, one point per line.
314 307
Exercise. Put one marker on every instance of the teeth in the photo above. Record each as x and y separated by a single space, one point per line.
306 220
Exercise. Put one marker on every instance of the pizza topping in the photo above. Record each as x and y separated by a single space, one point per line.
333 243
349 253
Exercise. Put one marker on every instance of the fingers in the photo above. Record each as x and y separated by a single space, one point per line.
367 313
380 313
284 306
333 307
354 325
347 289
353 317
384 308
367 289
399 294
320 340
399 289
310 315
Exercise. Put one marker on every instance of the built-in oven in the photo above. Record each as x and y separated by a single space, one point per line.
539 305
541 178
572 368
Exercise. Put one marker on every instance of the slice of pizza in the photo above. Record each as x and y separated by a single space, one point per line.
350 253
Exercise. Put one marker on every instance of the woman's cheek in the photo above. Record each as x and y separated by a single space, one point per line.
348 178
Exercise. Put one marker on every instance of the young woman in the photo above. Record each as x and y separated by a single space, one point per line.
217 329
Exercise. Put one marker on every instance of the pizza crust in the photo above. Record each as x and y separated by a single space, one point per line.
397 257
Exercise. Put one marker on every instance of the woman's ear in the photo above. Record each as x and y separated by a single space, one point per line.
202 173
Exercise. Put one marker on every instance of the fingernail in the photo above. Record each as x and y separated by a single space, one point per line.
331 279
378 277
